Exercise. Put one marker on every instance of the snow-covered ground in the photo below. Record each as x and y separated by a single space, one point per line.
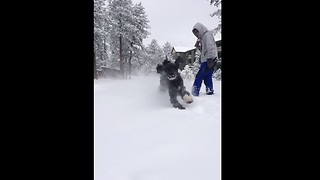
140 136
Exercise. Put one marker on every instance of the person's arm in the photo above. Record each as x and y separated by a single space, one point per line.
210 51
197 44
210 46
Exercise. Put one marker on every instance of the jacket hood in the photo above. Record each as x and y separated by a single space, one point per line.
201 28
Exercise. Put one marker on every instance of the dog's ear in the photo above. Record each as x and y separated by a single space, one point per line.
178 61
159 68
165 62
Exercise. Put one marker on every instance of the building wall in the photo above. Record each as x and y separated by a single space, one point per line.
183 62
219 52
193 53
187 58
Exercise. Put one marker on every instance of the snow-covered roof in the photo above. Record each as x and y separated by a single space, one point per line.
183 49
218 43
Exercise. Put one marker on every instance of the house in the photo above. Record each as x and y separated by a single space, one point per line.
219 46
218 43
188 54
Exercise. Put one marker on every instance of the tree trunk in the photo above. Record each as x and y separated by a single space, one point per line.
94 66
101 55
130 68
130 62
120 56
104 46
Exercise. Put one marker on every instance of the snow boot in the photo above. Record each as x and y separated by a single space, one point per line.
209 91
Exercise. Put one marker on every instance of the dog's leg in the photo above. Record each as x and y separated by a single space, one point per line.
173 93
185 95
162 89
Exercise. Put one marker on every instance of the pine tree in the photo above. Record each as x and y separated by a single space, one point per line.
120 13
187 73
190 72
137 61
128 27
154 55
140 25
167 48
217 74
139 32
196 64
100 47
217 13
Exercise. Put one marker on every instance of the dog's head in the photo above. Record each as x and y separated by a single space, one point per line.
169 68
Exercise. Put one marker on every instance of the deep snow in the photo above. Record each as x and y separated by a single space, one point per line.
140 136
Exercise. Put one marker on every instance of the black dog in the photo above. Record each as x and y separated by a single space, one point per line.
171 80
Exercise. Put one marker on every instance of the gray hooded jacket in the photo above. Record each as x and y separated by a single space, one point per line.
209 47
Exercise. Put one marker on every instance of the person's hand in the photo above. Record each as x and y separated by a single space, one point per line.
211 63
197 44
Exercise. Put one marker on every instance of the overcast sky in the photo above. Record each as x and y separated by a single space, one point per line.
172 20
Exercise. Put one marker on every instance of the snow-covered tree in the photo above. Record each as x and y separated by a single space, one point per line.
216 3
196 64
120 13
195 68
187 73
137 61
167 48
128 27
190 72
140 24
217 74
139 32
154 55
100 46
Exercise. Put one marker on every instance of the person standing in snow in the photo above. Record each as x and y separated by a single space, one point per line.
208 59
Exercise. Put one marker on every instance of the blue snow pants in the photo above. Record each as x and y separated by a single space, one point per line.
203 75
